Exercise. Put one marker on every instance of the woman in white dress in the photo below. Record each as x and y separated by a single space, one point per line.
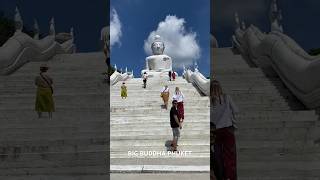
179 97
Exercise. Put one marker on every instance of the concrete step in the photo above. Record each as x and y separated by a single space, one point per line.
27 135
285 170
55 142
54 177
154 88
292 133
276 138
163 156
74 90
164 120
83 126
148 143
154 111
192 148
116 102
157 126
23 151
57 84
91 100
156 108
189 160
161 117
153 96
277 154
75 142
139 120
239 71
164 136
22 97
57 170
153 91
168 131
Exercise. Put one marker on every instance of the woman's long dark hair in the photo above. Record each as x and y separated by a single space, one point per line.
215 92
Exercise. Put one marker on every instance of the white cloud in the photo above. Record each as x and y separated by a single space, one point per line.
115 28
180 45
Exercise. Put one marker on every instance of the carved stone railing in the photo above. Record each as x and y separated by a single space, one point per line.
198 80
21 48
116 76
296 68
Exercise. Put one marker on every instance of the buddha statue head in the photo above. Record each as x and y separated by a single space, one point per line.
157 46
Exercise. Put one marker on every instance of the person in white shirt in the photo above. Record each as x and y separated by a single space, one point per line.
222 116
179 97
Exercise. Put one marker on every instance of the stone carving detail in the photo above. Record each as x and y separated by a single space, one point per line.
117 77
296 68
213 42
36 30
52 30
275 17
21 48
157 46
197 79
18 20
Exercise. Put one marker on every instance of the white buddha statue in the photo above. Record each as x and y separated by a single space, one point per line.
158 64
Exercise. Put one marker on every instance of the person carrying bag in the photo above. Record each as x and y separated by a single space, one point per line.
44 99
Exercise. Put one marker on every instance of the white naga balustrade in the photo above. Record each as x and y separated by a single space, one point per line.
297 69
21 48
197 79
117 76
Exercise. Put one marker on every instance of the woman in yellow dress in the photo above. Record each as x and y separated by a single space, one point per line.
44 99
165 95
124 93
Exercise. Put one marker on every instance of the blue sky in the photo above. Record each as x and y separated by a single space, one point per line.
87 18
140 17
299 19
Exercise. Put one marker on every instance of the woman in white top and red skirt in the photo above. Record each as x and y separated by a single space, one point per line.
179 97
222 116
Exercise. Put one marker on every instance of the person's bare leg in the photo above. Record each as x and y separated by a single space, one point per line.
174 144
177 139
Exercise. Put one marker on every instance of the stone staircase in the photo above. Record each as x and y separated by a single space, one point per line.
277 137
74 145
138 123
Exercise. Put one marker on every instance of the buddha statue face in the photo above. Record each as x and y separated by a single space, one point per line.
157 46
